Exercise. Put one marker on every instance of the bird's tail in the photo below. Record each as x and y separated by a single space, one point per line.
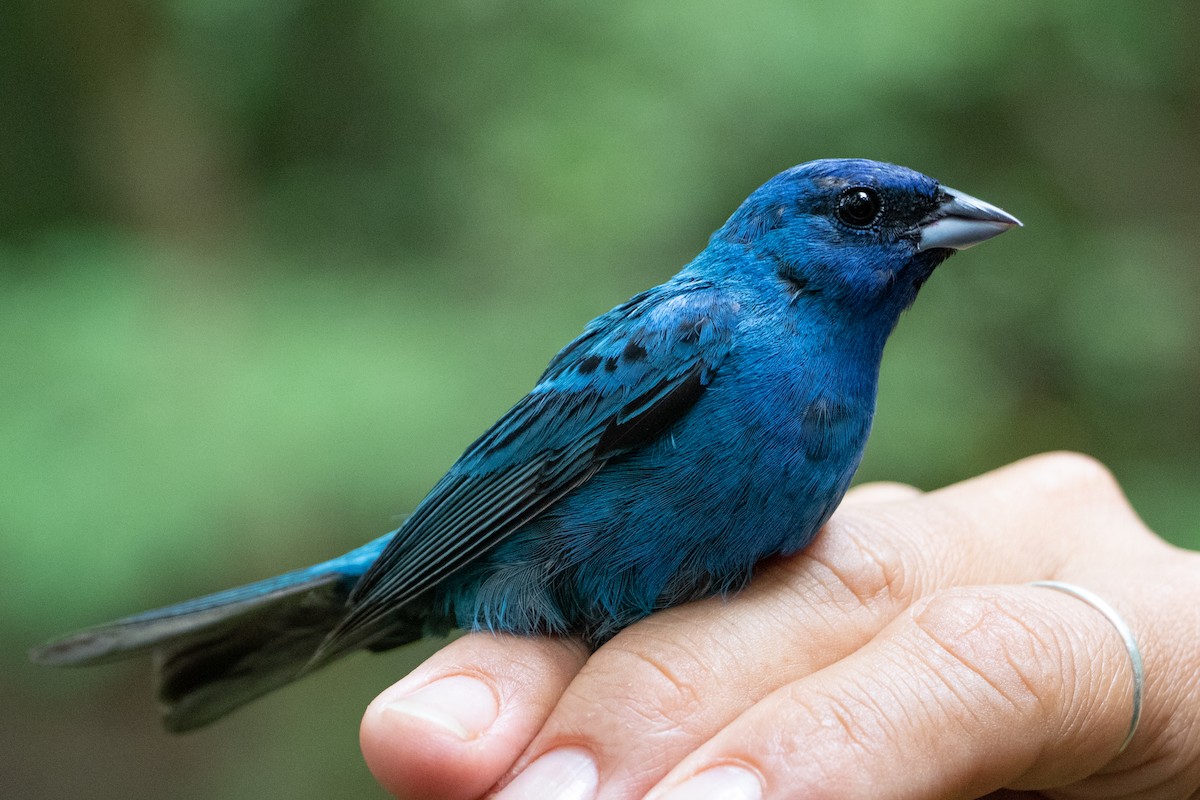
218 652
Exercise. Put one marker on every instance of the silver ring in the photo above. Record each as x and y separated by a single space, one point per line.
1131 645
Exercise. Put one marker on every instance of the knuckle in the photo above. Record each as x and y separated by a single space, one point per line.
657 685
994 651
862 563
849 721
829 733
843 729
1074 474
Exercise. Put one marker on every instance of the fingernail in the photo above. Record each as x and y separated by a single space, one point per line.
459 704
567 773
718 783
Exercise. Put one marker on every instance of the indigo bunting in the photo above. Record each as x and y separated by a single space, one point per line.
705 424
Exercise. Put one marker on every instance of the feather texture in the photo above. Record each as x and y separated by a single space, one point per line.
702 426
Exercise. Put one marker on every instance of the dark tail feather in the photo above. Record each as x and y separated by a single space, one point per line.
216 653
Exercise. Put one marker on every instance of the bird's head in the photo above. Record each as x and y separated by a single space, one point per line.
863 235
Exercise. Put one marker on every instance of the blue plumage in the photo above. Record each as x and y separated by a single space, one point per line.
705 424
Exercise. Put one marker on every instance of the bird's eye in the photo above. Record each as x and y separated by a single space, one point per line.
858 207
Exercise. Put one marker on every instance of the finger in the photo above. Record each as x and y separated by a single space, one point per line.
974 690
1035 519
880 492
663 686
454 725
1061 504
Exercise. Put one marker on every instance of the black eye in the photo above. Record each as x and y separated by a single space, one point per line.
858 207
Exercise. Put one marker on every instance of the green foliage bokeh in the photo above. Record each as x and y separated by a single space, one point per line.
266 268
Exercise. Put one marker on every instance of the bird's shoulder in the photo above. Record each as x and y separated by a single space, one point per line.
679 320
642 364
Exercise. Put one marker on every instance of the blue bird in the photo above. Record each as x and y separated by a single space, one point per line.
685 435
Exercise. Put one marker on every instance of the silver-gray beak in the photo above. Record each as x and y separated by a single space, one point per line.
962 221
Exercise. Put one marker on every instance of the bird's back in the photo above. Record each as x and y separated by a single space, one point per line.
753 469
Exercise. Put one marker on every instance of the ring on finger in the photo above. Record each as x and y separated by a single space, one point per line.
1135 654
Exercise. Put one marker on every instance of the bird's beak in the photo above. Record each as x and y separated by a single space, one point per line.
961 221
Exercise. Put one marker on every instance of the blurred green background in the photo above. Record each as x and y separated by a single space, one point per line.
267 267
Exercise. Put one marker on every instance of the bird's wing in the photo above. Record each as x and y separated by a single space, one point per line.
631 374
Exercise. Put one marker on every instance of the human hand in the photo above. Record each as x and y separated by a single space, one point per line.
903 654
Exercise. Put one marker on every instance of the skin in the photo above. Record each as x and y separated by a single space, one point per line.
902 655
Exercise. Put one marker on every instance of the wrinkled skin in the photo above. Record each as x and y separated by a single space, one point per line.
903 654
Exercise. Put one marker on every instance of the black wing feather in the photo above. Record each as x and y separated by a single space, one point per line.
660 351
